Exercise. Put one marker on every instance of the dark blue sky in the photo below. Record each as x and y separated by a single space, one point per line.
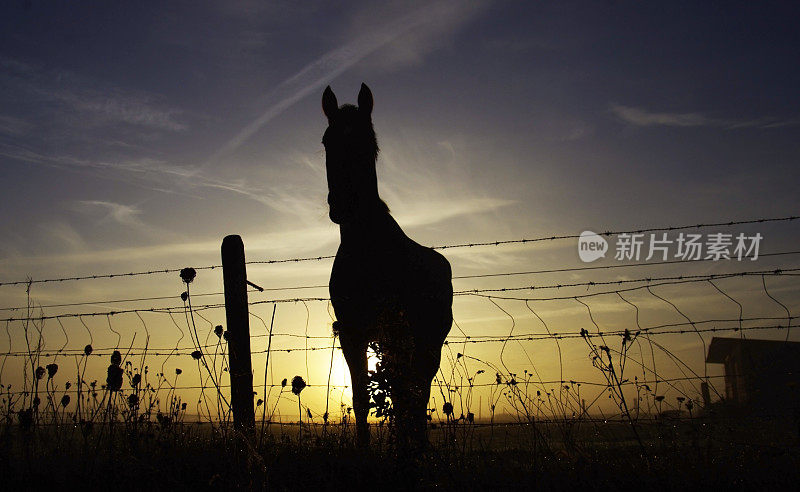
128 125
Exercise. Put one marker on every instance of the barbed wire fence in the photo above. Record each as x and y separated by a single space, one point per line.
544 352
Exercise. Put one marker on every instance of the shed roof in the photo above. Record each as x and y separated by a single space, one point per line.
721 347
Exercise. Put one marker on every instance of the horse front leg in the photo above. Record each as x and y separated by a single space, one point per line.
428 360
355 353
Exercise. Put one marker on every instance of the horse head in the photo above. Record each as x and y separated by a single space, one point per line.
351 149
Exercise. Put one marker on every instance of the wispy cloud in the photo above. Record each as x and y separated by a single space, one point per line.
76 94
63 236
411 48
321 71
643 117
310 241
127 215
263 246
142 167
13 126
434 212
120 107
120 218
162 176
317 239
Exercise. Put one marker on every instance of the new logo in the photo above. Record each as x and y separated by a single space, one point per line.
591 246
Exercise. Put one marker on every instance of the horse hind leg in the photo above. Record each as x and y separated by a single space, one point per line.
355 353
411 388
428 360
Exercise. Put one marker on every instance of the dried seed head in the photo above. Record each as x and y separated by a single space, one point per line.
188 274
298 384
114 378
133 401
52 369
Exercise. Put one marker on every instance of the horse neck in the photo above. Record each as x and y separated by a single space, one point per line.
373 225
376 230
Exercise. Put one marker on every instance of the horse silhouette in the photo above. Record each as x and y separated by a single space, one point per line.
384 287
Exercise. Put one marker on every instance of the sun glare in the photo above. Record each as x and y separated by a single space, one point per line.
340 373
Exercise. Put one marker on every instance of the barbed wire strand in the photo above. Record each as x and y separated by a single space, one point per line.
321 286
672 280
442 247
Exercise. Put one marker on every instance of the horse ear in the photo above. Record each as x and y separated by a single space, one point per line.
329 104
365 99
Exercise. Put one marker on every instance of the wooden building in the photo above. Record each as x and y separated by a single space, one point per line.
761 373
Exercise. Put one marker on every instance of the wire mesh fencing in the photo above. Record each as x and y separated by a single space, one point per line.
587 343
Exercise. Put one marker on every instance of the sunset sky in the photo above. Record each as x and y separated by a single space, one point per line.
135 136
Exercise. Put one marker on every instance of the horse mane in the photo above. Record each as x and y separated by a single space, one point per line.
351 112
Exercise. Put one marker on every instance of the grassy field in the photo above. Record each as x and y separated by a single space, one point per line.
723 450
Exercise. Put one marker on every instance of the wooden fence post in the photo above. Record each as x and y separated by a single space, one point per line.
706 395
234 275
